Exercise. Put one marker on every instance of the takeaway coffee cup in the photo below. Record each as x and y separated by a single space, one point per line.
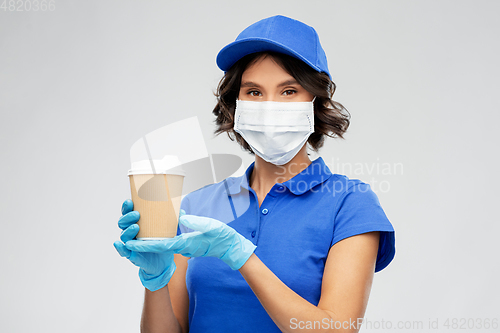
156 187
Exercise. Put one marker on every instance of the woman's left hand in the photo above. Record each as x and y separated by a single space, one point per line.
211 238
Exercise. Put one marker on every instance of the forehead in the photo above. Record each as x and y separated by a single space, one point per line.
265 67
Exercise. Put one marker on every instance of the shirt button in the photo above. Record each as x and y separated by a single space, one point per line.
280 188
264 211
253 234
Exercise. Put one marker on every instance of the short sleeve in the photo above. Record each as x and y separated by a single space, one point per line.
358 212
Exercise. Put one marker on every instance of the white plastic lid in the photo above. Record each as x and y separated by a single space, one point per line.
169 165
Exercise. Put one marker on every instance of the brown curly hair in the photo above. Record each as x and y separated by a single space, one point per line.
330 117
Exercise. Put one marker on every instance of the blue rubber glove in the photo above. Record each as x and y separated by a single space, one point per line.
156 269
211 238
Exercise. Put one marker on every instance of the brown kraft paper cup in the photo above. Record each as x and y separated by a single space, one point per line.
157 198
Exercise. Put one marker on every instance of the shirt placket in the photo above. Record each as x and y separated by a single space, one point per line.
265 212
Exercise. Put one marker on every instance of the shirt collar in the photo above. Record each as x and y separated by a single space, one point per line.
241 182
316 173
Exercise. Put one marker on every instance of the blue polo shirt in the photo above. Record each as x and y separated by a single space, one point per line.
294 228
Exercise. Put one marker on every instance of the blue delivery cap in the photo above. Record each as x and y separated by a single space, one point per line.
279 34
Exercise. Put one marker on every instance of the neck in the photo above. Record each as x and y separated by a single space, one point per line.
265 174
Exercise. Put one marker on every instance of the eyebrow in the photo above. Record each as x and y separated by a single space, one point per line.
253 84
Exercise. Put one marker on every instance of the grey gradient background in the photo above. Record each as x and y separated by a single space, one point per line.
80 84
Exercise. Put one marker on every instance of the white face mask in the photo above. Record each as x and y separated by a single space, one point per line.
276 131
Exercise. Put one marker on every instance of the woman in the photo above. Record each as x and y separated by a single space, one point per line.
300 246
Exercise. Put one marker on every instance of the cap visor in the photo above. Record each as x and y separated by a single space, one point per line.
233 52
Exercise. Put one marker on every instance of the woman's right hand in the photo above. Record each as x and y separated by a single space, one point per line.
156 269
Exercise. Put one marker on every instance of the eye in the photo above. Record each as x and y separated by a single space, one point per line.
253 93
289 92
